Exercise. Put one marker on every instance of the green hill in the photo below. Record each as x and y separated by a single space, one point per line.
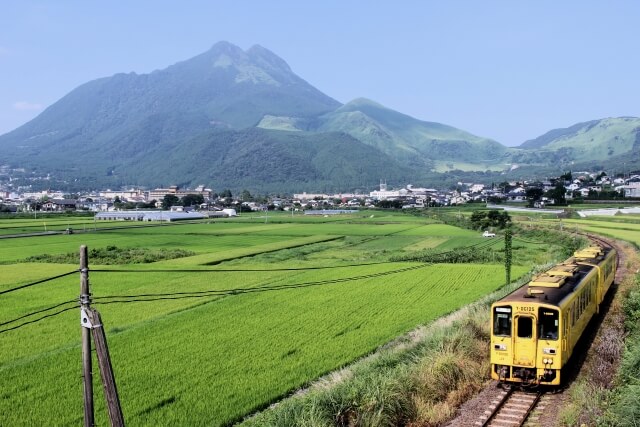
263 160
596 140
413 142
238 119
231 118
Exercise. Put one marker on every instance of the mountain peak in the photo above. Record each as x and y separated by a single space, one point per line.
267 59
225 47
360 102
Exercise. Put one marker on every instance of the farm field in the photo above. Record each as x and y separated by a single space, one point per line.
623 228
260 310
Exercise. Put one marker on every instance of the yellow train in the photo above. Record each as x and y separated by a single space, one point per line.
535 329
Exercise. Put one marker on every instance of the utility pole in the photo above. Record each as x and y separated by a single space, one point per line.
106 370
85 303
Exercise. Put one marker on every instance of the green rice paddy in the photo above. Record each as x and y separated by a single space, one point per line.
261 310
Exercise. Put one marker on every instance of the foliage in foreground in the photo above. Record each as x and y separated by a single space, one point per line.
606 390
625 408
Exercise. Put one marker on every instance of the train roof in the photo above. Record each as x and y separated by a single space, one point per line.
552 286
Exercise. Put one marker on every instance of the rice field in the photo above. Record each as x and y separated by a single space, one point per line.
260 311
624 228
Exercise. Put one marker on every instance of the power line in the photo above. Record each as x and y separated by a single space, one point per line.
263 288
38 312
37 320
37 282
530 241
206 293
233 270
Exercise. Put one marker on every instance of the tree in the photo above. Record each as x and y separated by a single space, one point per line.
226 194
558 194
117 203
493 218
192 200
245 196
504 219
533 194
170 200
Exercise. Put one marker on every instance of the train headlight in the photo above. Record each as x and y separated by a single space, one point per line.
547 361
549 350
500 346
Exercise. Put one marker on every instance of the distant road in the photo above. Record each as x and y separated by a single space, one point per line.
532 210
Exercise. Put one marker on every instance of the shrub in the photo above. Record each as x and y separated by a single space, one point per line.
113 255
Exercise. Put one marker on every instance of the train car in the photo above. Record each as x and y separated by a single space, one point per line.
535 329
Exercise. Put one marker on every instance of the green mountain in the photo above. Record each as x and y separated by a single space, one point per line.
224 87
413 142
231 118
238 119
589 142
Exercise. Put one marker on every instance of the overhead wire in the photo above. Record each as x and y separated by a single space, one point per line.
33 313
256 289
234 270
533 242
112 299
267 287
48 279
37 320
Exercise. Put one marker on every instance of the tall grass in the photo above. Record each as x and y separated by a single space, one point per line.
625 402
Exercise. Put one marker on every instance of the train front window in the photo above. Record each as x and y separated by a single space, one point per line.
548 324
525 327
502 321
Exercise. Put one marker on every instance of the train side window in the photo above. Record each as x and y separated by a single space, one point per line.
549 321
525 327
502 321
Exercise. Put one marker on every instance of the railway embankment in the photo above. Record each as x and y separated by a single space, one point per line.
606 391
603 386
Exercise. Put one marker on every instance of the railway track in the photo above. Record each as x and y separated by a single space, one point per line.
483 409
510 409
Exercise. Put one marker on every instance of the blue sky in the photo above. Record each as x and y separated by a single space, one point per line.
507 70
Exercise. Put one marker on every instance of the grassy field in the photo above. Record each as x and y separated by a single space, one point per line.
622 228
259 311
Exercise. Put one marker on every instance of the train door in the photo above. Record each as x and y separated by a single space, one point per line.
525 340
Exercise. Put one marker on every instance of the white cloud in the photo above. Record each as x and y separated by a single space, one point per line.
27 106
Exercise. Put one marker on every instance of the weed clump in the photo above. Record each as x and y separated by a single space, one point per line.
112 255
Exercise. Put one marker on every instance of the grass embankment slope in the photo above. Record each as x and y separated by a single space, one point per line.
284 304
607 392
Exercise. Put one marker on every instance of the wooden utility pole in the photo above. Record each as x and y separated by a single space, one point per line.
106 370
85 325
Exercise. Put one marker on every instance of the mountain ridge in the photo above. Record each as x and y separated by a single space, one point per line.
157 128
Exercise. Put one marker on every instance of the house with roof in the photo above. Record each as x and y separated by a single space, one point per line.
59 205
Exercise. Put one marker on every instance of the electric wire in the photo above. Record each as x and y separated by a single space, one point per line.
533 242
48 279
235 291
234 270
33 313
37 320
267 287
201 294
